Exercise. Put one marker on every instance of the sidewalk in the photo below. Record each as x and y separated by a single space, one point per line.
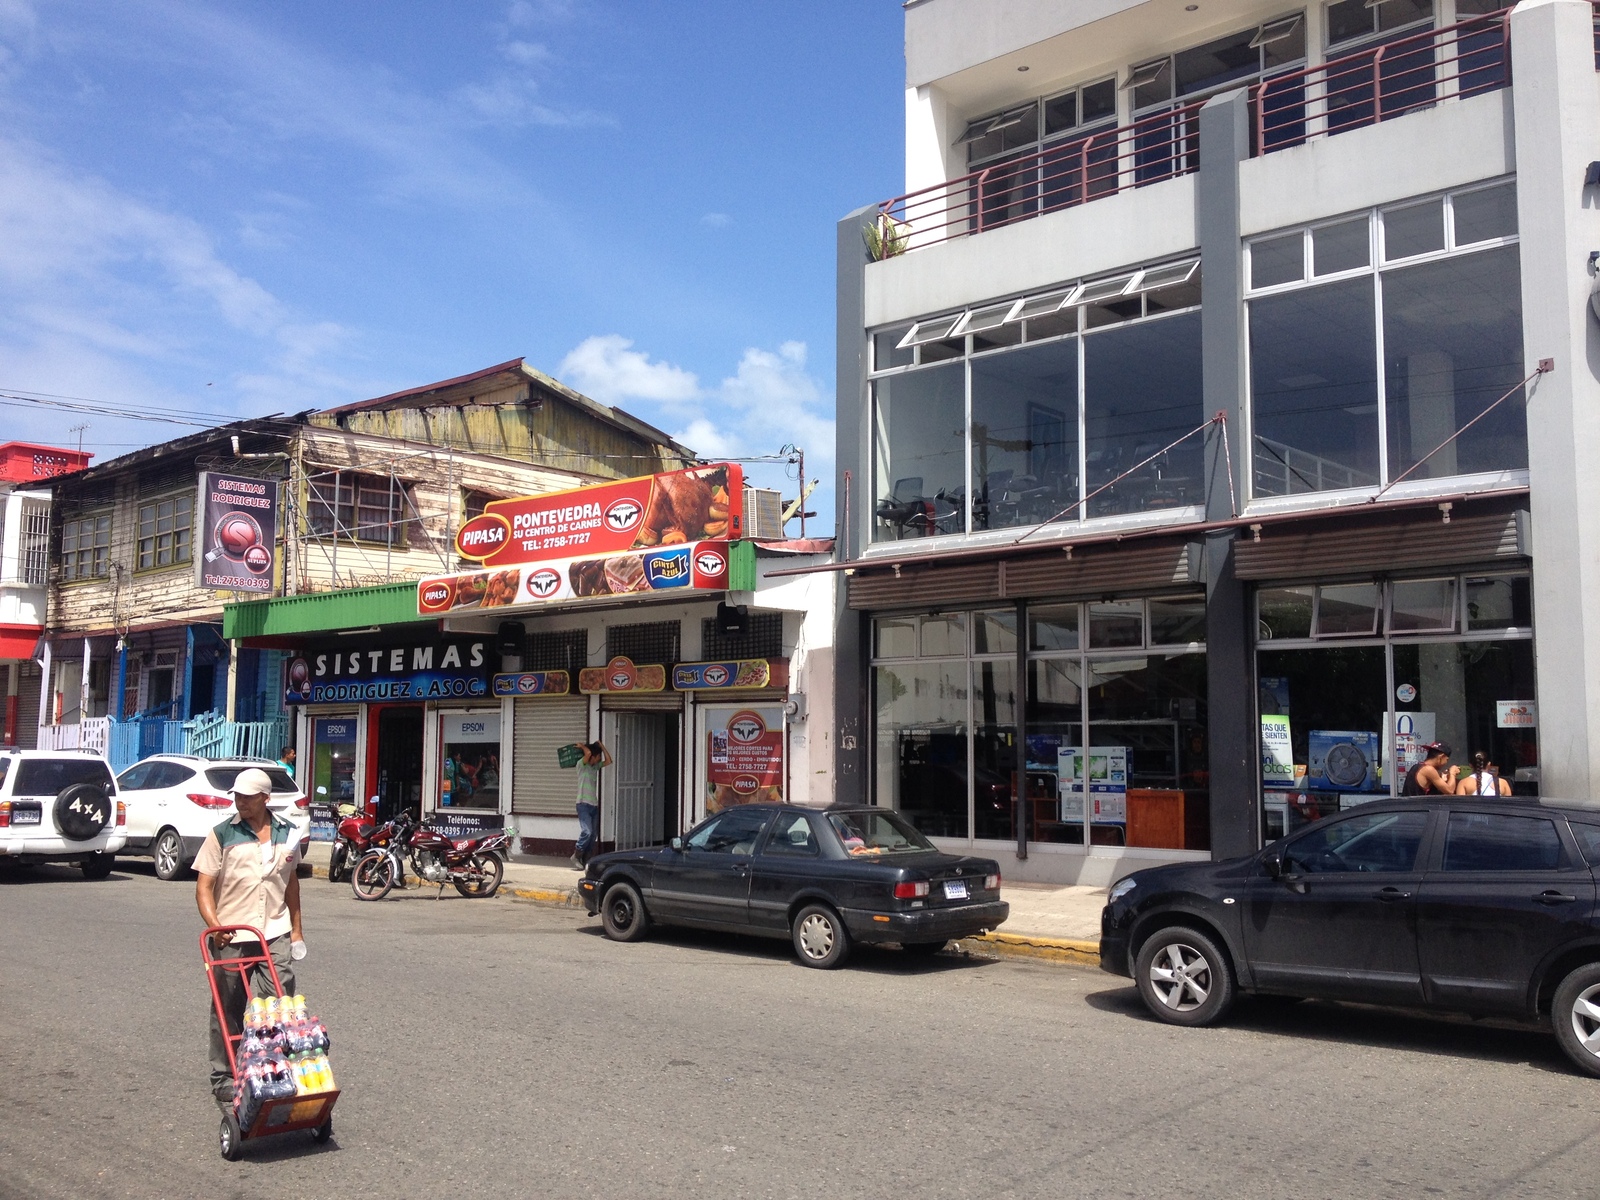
1056 924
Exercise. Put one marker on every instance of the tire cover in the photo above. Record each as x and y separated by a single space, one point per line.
82 811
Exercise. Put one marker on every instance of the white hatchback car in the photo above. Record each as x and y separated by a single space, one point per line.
174 800
60 806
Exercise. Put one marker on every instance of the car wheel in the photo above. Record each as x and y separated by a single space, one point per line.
622 913
1184 977
923 949
819 937
170 859
98 866
1575 1012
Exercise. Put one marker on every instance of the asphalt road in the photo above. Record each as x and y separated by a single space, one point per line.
494 1048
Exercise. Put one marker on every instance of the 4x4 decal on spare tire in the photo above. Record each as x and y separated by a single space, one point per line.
82 811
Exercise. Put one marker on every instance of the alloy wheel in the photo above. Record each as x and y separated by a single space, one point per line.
1586 1018
816 936
167 855
1181 977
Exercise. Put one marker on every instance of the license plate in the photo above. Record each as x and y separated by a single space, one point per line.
25 816
955 889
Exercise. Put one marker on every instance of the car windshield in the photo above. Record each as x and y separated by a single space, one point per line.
48 776
222 778
877 833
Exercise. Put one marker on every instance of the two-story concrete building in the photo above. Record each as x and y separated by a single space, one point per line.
371 493
1211 418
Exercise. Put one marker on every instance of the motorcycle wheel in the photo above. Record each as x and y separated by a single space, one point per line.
372 876
487 873
337 857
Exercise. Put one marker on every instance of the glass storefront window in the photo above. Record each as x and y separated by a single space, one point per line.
469 760
995 632
1024 435
994 747
1177 621
1284 612
1142 391
894 637
1053 627
1499 602
920 452
1422 606
1116 623
1347 609
921 744
943 634
333 760
1455 690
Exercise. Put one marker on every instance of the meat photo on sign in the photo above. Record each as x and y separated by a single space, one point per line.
686 507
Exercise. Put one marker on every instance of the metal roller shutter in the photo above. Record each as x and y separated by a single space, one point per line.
541 726
29 680
642 702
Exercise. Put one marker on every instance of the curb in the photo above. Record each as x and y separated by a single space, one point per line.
1065 952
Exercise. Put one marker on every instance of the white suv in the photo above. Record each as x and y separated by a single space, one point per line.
60 806
174 800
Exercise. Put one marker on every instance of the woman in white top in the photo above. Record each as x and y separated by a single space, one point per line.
1485 779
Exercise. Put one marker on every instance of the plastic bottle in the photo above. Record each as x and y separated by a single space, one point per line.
325 1072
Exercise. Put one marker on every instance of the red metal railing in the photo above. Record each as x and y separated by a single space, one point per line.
1064 174
1382 82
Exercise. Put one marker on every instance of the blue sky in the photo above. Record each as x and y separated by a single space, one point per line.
244 208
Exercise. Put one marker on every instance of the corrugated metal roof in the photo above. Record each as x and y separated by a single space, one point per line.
1373 548
314 612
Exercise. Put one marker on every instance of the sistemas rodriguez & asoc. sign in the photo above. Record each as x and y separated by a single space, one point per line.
442 669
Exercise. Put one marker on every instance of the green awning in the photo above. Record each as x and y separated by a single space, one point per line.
315 612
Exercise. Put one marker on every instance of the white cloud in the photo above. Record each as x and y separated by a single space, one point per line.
526 54
608 369
716 220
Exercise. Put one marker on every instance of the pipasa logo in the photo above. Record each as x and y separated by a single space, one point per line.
435 595
483 535
745 785
716 675
622 515
745 728
710 563
543 583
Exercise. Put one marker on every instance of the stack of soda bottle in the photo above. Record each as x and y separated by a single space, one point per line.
283 1052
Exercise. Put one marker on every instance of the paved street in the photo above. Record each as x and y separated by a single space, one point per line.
503 1049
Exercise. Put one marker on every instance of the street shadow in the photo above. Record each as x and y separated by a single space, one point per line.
17 874
875 959
1337 1022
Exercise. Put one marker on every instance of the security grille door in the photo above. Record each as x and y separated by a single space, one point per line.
639 753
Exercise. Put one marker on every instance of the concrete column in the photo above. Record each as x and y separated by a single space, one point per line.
1232 745
1557 105
853 499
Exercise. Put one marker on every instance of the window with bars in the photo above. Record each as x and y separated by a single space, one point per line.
369 508
33 563
762 638
556 650
166 528
654 642
86 547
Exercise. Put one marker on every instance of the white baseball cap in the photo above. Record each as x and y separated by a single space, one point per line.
252 781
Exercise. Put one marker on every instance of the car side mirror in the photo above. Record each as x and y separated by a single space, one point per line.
676 843
1272 863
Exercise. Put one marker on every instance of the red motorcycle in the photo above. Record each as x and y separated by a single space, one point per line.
354 838
473 865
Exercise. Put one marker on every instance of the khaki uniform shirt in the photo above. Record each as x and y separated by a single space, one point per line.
251 885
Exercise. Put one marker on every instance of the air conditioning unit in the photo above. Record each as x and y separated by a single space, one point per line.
763 513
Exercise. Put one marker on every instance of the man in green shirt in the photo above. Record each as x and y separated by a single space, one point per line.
595 756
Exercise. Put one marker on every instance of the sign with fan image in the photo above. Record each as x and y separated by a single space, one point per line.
237 528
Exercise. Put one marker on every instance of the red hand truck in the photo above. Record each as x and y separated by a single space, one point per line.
286 1115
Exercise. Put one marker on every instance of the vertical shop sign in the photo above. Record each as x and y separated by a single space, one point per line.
1107 783
744 757
1277 752
236 524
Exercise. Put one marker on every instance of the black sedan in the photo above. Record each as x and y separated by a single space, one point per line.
822 878
1485 907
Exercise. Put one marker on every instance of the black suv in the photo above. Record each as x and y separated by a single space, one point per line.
1448 902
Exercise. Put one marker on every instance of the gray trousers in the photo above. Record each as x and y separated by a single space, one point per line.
232 989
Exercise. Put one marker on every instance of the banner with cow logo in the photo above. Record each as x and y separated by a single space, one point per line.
237 530
533 683
692 566
744 756
672 509
622 675
727 676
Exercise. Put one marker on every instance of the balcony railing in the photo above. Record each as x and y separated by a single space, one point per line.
1382 82
1376 83
209 735
1160 146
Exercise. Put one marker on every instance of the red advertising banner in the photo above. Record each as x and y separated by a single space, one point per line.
647 513
744 760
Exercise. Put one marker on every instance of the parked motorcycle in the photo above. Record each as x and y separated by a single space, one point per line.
472 865
354 838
